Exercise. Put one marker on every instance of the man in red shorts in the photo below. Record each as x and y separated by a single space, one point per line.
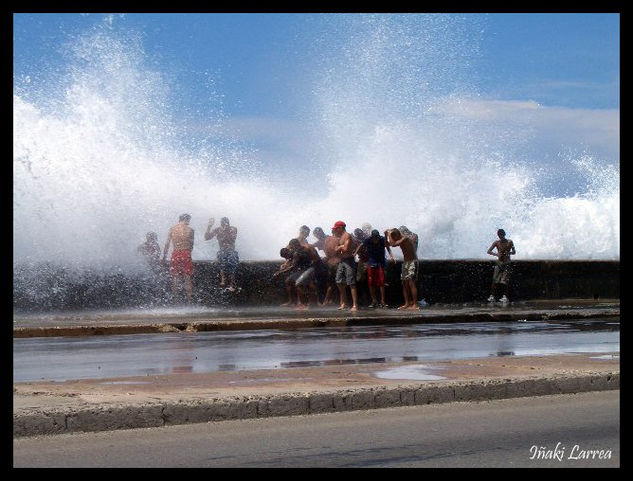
181 235
375 246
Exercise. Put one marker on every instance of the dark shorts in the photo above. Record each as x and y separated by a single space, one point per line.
375 276
501 274
228 260
361 271
331 274
181 263
346 272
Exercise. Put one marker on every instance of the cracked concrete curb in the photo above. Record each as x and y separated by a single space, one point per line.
35 422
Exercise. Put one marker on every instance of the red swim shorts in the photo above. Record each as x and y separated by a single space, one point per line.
181 263
375 276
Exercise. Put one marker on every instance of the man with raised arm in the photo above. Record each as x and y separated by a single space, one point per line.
228 257
409 274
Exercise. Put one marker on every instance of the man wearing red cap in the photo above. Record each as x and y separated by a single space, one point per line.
346 271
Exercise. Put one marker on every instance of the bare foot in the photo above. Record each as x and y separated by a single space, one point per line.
413 307
354 309
301 307
402 307
342 306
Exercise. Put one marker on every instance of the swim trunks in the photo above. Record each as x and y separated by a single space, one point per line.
501 274
228 260
375 276
331 274
181 263
306 277
409 270
292 278
346 271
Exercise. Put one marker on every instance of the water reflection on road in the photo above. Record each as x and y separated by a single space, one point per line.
66 358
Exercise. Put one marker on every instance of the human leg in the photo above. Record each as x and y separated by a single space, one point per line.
174 286
413 294
372 293
340 284
290 288
188 287
343 295
354 297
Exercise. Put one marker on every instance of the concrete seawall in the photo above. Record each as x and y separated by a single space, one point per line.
50 287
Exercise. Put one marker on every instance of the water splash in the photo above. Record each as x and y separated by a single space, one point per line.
100 157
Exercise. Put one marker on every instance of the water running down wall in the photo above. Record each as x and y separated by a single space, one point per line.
50 288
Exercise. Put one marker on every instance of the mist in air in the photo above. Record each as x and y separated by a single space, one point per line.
394 132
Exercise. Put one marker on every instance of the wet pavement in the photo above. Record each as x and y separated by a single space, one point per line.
63 358
197 318
220 369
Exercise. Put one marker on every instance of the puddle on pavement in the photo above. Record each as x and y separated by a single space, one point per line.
124 382
607 356
415 373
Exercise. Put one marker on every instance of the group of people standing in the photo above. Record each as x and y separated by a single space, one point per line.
180 237
309 274
349 258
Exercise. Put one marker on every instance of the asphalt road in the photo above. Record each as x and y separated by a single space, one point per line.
548 431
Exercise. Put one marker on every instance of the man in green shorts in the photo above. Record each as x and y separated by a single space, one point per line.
409 275
501 274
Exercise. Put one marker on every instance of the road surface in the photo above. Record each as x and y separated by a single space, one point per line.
534 432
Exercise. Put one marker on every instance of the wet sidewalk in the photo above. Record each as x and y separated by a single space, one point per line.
199 319
153 401
47 407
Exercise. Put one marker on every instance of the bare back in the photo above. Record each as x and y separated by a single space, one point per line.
181 235
504 249
408 251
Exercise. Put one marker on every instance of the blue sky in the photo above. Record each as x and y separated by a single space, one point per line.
259 72
262 66
569 60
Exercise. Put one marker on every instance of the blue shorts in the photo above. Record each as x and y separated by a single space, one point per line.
228 260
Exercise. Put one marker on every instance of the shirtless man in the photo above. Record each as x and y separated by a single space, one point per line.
322 270
320 236
227 255
332 260
346 271
287 266
150 249
501 275
404 230
181 236
359 237
304 232
299 262
409 273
